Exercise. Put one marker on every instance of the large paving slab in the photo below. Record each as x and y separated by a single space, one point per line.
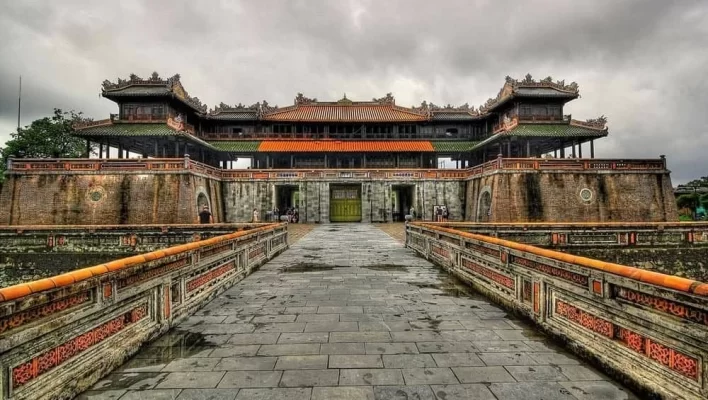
349 313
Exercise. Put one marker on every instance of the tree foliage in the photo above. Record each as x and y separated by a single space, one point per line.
700 182
48 137
689 201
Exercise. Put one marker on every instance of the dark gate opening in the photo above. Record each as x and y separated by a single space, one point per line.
401 202
287 197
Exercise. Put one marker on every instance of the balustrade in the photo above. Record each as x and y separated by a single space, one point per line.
59 335
648 327
186 164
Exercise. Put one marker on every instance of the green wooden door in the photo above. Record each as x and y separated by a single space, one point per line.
345 204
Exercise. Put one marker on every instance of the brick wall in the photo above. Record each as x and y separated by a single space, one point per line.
557 196
92 199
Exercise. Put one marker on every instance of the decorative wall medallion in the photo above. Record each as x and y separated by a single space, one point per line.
96 194
586 195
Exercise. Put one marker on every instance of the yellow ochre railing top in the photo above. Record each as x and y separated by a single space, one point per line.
20 290
642 275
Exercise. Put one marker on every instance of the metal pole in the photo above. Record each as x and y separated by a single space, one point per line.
19 104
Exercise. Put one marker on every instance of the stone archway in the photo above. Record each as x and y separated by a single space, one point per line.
203 200
484 205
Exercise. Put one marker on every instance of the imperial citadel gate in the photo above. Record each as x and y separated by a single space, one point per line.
345 203
212 311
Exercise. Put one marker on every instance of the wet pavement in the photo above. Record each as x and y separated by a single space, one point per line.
349 313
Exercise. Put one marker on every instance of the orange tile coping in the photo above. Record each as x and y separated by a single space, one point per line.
345 146
24 289
654 278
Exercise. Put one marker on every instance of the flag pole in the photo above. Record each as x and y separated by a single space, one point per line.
19 104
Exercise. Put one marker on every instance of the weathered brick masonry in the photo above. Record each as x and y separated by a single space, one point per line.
502 190
568 196
106 198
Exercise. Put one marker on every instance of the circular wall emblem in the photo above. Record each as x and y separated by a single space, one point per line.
586 195
96 194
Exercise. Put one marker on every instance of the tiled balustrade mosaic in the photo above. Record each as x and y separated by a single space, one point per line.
554 290
36 318
48 360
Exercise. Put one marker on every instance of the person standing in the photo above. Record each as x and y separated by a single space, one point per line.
205 216
255 215
412 213
445 214
438 214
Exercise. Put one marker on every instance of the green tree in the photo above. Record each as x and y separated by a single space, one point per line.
701 182
688 201
48 137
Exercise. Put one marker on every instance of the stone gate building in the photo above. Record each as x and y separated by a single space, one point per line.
517 158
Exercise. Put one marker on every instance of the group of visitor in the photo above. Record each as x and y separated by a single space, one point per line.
441 214
291 214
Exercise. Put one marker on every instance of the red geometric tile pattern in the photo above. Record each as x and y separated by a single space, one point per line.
666 356
572 277
209 276
153 272
662 305
489 274
33 314
46 361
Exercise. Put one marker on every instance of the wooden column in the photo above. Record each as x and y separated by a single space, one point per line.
592 148
176 149
580 149
528 148
573 147
562 151
292 161
120 151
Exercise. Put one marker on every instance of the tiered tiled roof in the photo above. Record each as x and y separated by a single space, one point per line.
453 146
571 130
236 146
528 87
345 113
137 130
153 86
344 110
345 146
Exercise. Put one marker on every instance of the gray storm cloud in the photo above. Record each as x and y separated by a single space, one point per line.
641 63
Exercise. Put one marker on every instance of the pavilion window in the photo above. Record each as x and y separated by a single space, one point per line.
451 132
280 129
427 131
540 110
237 131
525 111
554 111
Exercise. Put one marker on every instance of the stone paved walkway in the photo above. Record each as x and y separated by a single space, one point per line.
348 313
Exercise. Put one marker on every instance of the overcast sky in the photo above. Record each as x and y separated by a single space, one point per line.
643 64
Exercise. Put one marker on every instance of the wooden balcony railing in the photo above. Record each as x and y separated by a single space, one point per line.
143 118
88 124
